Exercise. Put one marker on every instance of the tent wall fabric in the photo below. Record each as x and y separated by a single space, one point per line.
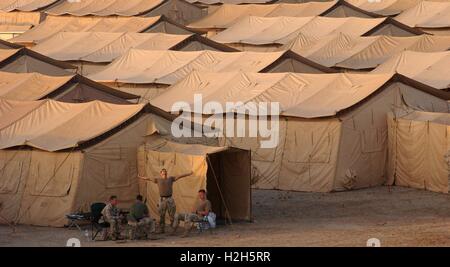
227 14
229 188
275 31
92 51
385 7
429 16
148 73
55 24
23 60
53 184
357 53
428 68
25 5
419 146
332 128
178 10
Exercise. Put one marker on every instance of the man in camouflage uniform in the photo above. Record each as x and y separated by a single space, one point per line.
111 215
166 201
139 219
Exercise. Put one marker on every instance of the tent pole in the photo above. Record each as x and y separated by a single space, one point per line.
220 190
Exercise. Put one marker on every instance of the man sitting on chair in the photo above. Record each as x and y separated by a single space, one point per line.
111 215
202 208
140 217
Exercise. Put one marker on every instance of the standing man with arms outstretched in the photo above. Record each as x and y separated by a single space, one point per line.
166 201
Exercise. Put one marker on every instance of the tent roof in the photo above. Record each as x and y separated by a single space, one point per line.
428 68
227 14
51 125
55 24
104 47
280 30
25 5
385 7
234 2
355 52
427 14
168 67
299 95
104 7
8 45
162 145
20 19
439 118
7 55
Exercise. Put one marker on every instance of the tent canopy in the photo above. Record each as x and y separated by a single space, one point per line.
104 7
224 16
427 14
51 125
102 46
55 24
428 68
299 95
25 5
385 7
356 52
280 30
168 67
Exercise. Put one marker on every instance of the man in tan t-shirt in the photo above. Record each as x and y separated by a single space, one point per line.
202 208
166 202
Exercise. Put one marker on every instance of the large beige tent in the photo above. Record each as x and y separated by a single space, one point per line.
252 33
430 16
92 51
178 10
332 129
15 23
428 68
71 88
80 154
149 73
385 7
359 53
225 173
419 146
26 60
25 5
227 14
55 24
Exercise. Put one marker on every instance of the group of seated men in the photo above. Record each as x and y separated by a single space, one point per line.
139 217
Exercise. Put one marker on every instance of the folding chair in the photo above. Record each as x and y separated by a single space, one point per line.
96 215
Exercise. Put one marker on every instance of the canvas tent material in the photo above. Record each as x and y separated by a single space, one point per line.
148 73
15 23
385 7
227 14
38 186
7 45
357 53
428 68
71 88
178 10
332 129
234 2
419 147
254 31
25 5
225 173
55 24
24 60
92 51
430 16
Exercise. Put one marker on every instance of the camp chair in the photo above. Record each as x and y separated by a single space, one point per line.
203 225
96 215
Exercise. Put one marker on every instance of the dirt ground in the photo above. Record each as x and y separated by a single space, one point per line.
400 217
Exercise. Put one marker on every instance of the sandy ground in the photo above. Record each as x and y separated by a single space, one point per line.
400 217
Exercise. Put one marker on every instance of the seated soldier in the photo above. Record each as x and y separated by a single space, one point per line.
201 209
140 217
111 215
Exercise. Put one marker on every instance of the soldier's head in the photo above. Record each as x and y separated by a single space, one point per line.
139 198
113 200
163 173
202 194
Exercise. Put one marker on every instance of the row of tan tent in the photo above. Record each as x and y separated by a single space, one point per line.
77 154
343 51
332 128
149 73
252 32
92 51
